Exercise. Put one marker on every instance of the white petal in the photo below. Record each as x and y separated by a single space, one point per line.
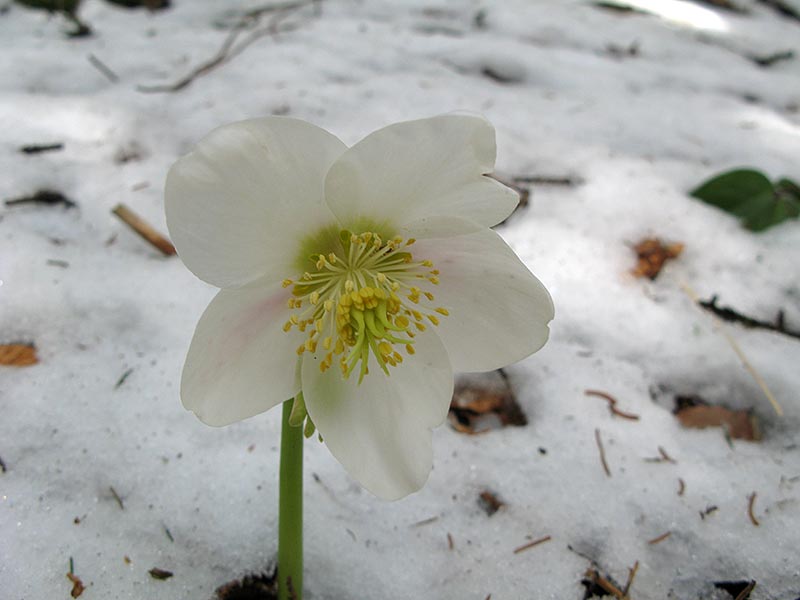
417 169
241 362
498 310
238 204
380 430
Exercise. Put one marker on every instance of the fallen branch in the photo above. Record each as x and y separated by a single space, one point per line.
746 363
230 49
144 229
731 315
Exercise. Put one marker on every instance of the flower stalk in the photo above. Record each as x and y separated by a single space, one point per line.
290 510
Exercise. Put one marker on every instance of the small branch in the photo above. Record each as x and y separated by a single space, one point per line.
604 583
117 497
751 502
524 547
745 593
681 486
43 197
631 575
731 315
425 522
746 363
666 456
548 180
122 379
144 229
103 68
602 452
659 539
39 148
229 50
612 404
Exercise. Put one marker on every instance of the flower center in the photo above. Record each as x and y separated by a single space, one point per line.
363 299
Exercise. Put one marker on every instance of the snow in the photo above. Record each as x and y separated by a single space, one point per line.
639 131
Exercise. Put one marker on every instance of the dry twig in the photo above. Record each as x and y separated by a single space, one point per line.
659 539
746 363
612 404
631 575
524 547
602 452
751 502
144 229
230 49
681 486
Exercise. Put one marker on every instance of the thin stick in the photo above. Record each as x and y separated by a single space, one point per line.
631 574
612 404
681 486
659 539
103 68
117 497
602 452
745 593
666 456
749 367
751 502
144 229
450 543
605 584
524 547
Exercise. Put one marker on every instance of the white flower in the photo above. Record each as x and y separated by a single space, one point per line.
362 276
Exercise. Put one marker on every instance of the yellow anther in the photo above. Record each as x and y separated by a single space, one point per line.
385 348
339 348
410 241
397 356
401 321
434 280
314 297
417 315
381 278
380 294
318 324
410 349
287 326
327 342
354 239
290 303
395 286
366 292
300 349
348 286
442 311
328 305
294 319
311 345
302 326
433 319
427 263
429 296
287 282
332 258
420 326
435 272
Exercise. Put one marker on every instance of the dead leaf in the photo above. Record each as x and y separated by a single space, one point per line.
489 502
741 425
18 355
484 402
77 585
652 255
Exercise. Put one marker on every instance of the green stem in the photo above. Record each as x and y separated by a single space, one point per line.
290 511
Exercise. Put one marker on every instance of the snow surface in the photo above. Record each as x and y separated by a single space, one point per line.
639 131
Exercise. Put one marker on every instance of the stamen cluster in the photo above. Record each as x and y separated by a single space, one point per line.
363 299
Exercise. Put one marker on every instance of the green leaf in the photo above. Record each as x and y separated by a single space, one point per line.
298 414
751 196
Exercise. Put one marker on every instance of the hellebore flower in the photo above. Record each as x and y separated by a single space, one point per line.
361 276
